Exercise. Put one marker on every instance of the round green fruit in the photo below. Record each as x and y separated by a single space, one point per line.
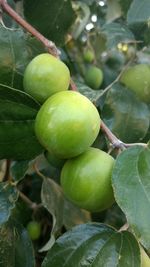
44 76
145 260
88 56
67 124
34 230
54 160
137 79
94 77
86 180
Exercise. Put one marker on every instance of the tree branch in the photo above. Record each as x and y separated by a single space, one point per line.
51 48
31 204
117 143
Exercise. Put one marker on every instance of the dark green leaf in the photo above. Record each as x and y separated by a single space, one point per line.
113 10
51 18
17 114
18 169
139 12
116 33
131 185
15 246
93 95
125 115
63 212
125 5
14 57
94 245
8 197
82 19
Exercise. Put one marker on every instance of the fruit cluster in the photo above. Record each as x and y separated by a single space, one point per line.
66 125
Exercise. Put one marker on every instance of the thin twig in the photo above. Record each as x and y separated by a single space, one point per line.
31 204
124 227
73 85
115 81
52 49
117 143
37 171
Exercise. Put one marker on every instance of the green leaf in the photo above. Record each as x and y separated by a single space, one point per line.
82 19
14 57
125 5
15 246
93 95
95 245
52 18
63 212
116 33
131 186
139 12
8 198
125 115
113 10
19 169
17 114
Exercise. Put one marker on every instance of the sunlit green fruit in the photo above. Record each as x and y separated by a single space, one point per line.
145 260
67 124
86 180
44 76
54 160
137 79
88 55
34 230
94 77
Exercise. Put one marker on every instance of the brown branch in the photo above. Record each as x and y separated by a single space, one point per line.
117 143
51 48
111 137
73 85
31 204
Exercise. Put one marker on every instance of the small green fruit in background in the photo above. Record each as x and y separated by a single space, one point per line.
88 55
67 124
94 77
44 76
54 160
145 260
137 79
86 180
34 230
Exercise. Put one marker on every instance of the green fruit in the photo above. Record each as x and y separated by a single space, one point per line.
86 180
145 260
88 56
67 124
94 77
44 76
54 160
34 230
137 79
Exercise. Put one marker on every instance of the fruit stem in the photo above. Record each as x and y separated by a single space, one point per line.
52 49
